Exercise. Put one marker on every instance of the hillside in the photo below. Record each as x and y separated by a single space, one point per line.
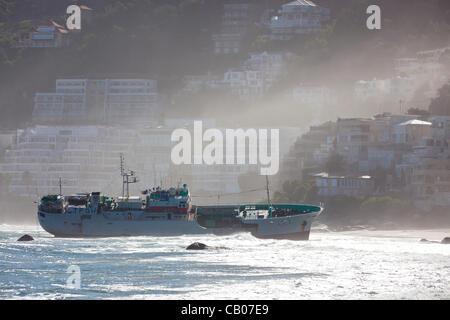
168 39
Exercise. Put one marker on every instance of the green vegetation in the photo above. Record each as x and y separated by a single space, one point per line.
441 105
169 39
293 191
335 164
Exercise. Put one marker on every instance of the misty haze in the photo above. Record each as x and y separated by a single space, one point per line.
314 126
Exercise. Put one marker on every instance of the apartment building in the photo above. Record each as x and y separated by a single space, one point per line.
107 101
236 20
353 136
430 183
246 84
411 131
298 17
85 158
351 186
45 37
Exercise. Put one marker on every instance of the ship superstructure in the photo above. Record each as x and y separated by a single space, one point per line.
157 211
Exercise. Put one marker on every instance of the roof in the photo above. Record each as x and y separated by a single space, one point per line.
415 122
301 3
327 175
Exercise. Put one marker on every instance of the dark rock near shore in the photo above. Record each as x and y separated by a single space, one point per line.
197 246
25 237
446 240
202 246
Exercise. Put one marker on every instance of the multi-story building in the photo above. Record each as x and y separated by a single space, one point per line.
353 137
411 132
109 101
227 43
351 186
254 77
430 183
298 17
245 84
236 19
194 84
441 130
7 138
85 158
46 37
271 65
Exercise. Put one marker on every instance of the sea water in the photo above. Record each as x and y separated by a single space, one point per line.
328 266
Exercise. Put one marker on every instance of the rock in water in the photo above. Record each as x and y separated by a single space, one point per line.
446 240
197 246
25 237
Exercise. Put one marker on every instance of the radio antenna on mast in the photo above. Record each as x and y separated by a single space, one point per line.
127 177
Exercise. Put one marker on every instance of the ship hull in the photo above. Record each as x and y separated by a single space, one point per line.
296 227
135 223
98 226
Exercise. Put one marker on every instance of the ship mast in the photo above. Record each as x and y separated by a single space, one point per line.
127 178
268 193
122 170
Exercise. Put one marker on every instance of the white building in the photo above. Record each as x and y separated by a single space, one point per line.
271 65
226 43
411 131
245 84
8 138
45 37
298 17
441 128
236 19
109 101
85 158
350 186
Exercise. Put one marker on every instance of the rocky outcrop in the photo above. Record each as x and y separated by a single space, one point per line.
25 237
446 240
202 246
197 246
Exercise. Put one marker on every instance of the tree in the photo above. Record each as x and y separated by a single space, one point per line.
293 191
440 106
418 112
335 163
380 178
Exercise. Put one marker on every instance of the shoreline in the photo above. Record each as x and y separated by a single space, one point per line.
429 234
